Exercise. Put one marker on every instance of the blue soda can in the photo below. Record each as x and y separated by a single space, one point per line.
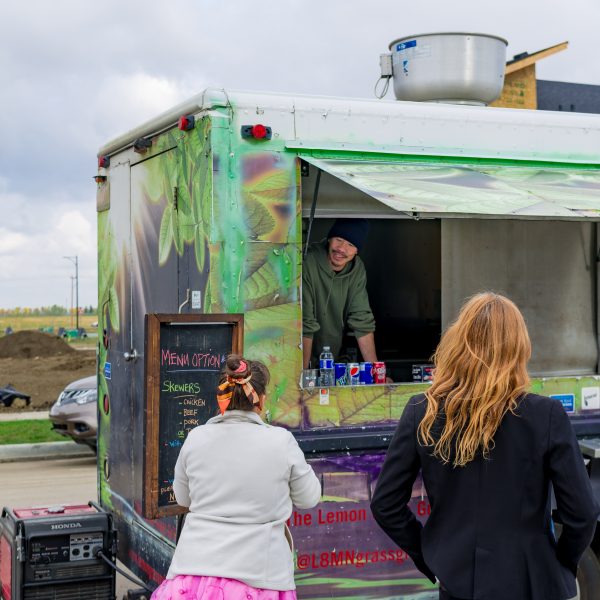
366 373
340 373
352 374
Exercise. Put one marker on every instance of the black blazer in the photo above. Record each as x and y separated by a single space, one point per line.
489 535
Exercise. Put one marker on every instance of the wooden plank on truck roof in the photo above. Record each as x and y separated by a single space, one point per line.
531 59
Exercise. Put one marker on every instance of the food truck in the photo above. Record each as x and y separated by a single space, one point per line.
203 216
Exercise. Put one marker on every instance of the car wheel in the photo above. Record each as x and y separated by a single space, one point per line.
588 577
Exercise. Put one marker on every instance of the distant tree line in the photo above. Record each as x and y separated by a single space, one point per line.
45 311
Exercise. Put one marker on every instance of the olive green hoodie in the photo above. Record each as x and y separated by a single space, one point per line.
333 303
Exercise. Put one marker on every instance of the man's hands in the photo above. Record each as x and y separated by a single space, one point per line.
366 344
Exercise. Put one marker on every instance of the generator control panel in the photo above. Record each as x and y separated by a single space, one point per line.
69 547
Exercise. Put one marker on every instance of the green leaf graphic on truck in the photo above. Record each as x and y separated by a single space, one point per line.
182 181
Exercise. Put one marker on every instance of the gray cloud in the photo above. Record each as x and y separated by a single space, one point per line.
76 74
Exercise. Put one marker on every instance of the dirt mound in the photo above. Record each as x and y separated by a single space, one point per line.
44 378
29 344
77 360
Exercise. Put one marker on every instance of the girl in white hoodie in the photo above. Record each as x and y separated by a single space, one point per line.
239 477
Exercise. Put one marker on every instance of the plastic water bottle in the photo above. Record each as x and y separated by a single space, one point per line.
326 372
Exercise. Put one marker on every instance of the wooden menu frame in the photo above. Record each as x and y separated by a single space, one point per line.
152 507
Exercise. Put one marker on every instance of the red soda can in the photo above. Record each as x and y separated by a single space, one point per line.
379 372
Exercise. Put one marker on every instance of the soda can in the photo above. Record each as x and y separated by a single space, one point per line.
340 373
366 373
379 372
428 373
422 373
417 373
352 374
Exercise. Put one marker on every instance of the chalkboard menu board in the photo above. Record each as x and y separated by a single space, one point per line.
184 357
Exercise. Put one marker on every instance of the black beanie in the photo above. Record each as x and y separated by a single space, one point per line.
352 230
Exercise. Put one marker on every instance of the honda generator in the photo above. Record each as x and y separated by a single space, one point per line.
57 553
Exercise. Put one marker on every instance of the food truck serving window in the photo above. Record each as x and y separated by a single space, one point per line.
442 232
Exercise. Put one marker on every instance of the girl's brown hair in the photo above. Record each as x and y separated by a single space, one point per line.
259 380
480 373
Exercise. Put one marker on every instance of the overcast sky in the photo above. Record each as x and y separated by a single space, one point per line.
75 74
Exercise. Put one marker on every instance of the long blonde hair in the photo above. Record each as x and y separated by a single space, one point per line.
480 373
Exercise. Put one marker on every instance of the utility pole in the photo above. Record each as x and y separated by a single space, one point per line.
75 261
71 319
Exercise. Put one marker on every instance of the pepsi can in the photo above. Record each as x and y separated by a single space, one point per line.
340 374
352 374
366 373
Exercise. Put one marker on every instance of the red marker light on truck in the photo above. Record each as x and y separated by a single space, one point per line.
186 122
103 162
258 132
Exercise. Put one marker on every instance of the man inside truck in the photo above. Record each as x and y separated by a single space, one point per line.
334 293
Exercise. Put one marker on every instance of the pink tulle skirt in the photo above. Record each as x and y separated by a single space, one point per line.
196 587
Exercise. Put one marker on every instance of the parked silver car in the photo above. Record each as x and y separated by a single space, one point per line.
74 414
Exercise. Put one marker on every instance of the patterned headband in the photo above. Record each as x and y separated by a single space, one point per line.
225 390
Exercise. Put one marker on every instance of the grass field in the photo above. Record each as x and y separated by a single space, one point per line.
27 322
31 431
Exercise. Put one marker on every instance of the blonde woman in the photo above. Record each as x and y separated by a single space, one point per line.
489 452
